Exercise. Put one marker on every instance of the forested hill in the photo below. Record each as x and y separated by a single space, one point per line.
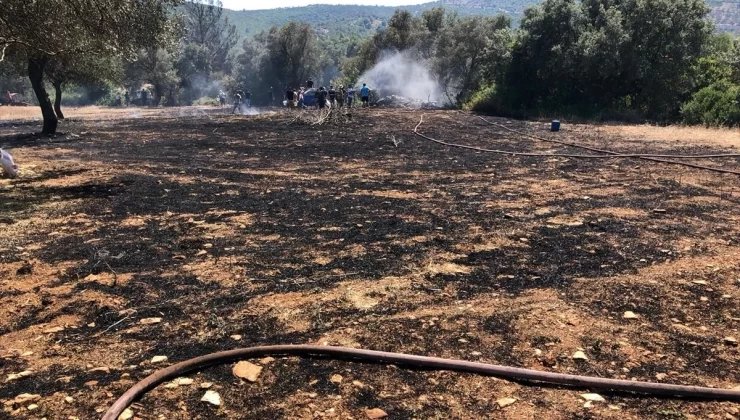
362 20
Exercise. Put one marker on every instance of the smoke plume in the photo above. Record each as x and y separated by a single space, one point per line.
399 74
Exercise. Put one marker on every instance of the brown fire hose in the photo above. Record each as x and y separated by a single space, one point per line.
608 154
651 157
409 360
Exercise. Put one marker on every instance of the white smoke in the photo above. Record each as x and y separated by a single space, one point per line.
248 110
398 73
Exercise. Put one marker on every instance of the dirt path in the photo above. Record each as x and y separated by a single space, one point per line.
239 231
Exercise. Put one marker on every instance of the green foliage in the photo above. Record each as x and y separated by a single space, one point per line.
484 99
598 54
66 32
717 104
206 100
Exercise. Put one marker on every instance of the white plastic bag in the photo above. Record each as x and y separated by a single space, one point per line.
9 166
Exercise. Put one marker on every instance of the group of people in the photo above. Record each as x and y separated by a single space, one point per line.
239 96
308 97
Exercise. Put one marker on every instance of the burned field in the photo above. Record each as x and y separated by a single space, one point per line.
186 233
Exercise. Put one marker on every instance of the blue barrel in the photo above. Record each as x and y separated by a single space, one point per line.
555 125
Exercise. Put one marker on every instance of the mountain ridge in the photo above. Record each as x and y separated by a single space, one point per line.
361 20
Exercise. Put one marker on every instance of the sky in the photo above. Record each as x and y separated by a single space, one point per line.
262 4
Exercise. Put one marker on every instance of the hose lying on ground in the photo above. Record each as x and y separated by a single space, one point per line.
409 360
651 157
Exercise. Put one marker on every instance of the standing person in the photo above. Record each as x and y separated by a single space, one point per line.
237 102
248 98
350 96
321 98
144 99
341 95
332 95
300 97
365 95
271 96
126 98
221 98
289 97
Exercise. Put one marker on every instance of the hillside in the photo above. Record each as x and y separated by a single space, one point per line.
363 20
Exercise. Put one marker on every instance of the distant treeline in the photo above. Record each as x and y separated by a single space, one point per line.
657 60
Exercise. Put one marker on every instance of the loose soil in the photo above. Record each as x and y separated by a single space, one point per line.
249 230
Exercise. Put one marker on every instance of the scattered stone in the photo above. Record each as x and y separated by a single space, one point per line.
201 252
159 359
32 407
236 337
53 330
26 398
205 385
629 315
462 340
148 321
69 400
26 354
579 355
614 407
127 414
171 385
336 379
184 381
660 376
701 282
593 397
475 353
505 401
267 360
730 341
103 369
207 246
358 384
659 210
375 413
19 375
90 384
212 397
247 370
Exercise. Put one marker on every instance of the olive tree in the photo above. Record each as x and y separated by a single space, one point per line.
43 30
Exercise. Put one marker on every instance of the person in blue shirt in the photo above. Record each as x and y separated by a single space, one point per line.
365 95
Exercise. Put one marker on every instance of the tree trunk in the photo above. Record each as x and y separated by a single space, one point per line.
58 100
36 75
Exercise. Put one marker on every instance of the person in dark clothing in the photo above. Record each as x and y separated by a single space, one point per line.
341 94
321 98
248 98
332 96
126 98
290 97
144 99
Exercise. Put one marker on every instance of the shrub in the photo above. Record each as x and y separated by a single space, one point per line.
716 104
206 100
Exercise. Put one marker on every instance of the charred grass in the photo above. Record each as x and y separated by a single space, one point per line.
279 231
